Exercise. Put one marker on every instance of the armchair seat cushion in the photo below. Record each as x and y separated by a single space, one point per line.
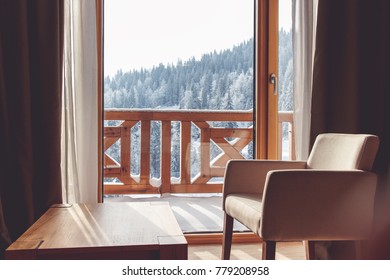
245 208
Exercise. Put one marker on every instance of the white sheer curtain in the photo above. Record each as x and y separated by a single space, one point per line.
79 120
304 34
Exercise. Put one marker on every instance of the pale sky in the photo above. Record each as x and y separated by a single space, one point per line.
285 16
143 33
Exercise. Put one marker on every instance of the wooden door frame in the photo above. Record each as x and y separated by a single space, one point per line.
266 109
266 62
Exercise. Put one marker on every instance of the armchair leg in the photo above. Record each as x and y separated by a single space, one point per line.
310 250
268 250
227 237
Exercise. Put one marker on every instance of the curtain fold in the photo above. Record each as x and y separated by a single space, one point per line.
30 101
304 30
80 115
5 239
351 83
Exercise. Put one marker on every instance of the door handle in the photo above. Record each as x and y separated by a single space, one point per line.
274 80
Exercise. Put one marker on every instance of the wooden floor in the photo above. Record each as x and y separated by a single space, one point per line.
247 251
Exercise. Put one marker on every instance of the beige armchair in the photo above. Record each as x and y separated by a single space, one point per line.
328 197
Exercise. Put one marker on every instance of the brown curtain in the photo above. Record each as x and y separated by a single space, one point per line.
351 87
30 112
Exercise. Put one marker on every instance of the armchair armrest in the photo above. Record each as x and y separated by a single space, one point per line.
248 176
318 205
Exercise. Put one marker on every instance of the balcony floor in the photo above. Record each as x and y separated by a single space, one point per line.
195 213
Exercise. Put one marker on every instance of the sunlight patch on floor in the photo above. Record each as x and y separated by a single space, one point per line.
250 251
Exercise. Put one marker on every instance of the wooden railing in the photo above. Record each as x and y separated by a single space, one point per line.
230 141
286 118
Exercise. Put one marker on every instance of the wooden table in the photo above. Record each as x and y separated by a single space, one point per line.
140 230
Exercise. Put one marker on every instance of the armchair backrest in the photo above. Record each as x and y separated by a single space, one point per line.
343 152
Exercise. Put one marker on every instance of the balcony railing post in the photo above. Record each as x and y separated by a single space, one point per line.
205 171
166 157
185 157
286 117
125 154
145 152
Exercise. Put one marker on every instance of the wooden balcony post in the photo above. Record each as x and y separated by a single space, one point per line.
205 169
166 157
185 157
125 154
145 152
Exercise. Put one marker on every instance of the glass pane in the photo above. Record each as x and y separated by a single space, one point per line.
177 58
178 54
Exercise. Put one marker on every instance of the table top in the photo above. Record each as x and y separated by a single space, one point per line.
103 225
